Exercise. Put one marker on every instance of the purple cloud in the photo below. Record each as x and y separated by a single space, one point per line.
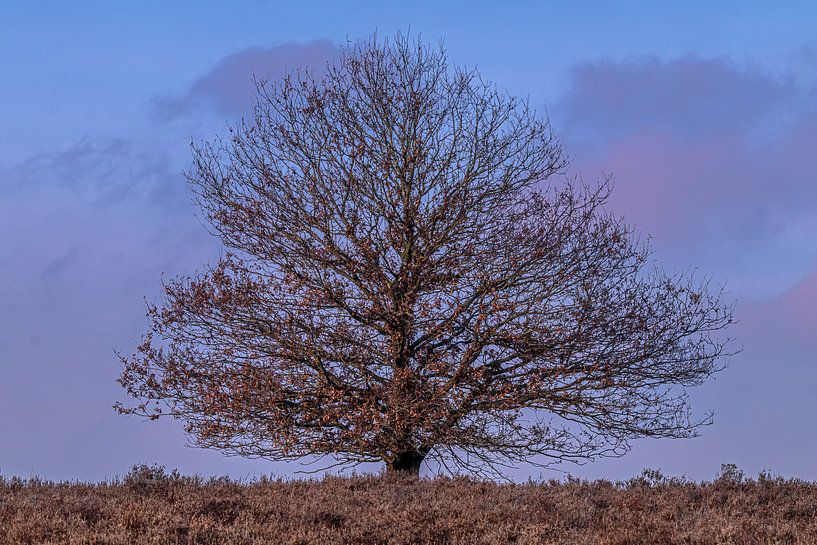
786 323
229 88
714 160
689 97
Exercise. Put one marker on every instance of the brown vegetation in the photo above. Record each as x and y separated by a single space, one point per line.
150 506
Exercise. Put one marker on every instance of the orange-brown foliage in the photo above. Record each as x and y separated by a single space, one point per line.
151 507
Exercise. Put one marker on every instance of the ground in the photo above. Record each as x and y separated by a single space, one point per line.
150 506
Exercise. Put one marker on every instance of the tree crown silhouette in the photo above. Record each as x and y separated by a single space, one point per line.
409 276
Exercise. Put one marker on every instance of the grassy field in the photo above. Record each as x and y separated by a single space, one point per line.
151 506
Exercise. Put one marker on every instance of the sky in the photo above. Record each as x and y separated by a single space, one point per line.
704 113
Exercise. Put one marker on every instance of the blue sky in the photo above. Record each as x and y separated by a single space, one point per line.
705 114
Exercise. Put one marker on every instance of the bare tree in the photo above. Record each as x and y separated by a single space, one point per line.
408 277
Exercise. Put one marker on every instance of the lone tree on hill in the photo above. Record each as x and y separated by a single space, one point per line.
407 278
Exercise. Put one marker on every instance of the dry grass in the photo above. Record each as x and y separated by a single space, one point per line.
150 506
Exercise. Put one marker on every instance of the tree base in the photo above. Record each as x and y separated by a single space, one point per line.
406 463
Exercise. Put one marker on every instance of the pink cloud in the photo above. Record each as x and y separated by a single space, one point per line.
684 191
669 186
713 160
785 323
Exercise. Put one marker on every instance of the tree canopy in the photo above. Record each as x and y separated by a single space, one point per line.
410 274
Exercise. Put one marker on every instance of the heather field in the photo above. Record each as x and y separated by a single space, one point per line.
150 506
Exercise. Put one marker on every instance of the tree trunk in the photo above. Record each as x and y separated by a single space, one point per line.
406 463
